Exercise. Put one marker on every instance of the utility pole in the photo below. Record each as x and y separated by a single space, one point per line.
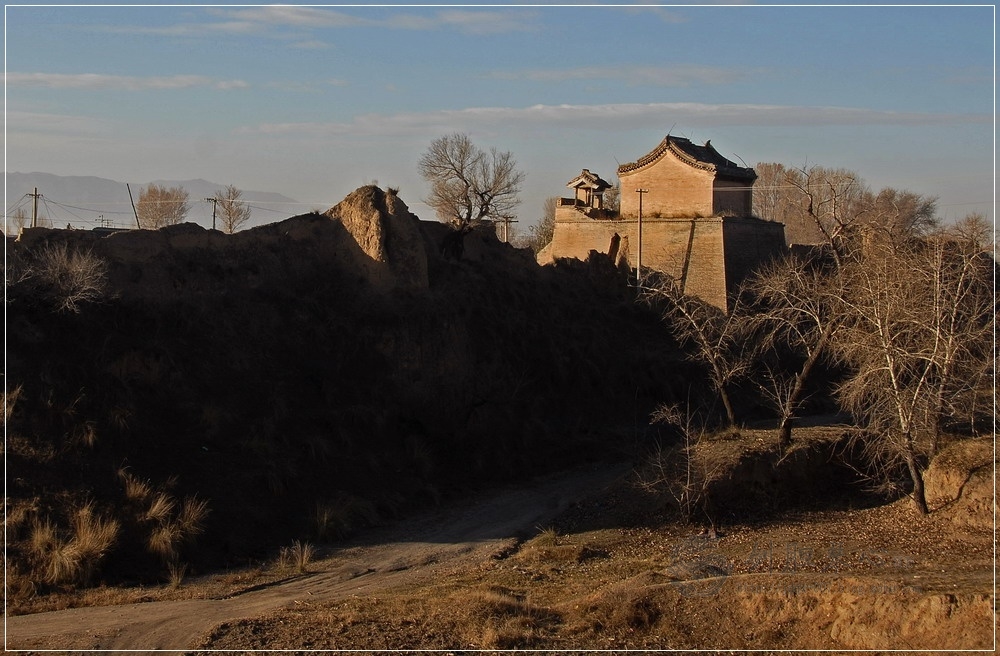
34 208
133 206
215 203
638 251
506 219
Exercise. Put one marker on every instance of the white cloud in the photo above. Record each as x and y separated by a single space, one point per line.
291 16
277 22
98 81
487 22
624 116
680 75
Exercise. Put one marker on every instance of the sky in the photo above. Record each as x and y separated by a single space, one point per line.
313 102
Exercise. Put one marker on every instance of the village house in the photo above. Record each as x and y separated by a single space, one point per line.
690 209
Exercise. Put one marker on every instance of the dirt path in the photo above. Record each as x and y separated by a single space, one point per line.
429 545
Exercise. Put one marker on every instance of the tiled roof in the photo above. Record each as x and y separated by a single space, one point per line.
590 180
703 157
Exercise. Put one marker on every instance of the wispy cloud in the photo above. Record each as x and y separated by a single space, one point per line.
612 117
462 20
55 124
101 82
485 22
290 16
678 75
291 22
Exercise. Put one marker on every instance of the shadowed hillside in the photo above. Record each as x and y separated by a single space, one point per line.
305 378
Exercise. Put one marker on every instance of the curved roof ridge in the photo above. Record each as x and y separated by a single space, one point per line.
703 157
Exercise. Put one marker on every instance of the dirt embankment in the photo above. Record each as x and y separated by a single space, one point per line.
331 373
312 376
585 561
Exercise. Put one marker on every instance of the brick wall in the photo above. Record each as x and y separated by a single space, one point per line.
710 256
732 198
749 243
675 190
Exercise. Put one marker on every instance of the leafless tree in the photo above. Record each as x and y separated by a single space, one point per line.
772 197
159 206
233 211
469 185
613 198
904 213
820 205
715 338
683 471
961 320
540 236
798 312
17 221
883 342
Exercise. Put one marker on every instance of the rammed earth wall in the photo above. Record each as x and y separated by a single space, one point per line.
710 256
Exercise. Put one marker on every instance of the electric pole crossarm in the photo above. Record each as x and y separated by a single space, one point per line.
215 204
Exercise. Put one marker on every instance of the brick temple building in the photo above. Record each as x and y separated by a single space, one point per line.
696 218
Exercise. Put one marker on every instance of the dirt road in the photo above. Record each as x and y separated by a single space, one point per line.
427 546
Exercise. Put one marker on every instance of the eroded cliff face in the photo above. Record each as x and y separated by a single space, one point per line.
333 360
388 233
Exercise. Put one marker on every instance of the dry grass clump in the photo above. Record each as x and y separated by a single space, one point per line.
94 536
165 524
622 609
497 618
10 399
67 278
297 557
545 549
70 556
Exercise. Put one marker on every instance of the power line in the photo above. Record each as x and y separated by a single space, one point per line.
85 209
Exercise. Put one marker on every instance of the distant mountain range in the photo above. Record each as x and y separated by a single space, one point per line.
88 202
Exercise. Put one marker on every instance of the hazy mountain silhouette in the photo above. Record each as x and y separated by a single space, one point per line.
81 200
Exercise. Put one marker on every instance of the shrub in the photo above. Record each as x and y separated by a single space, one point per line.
66 277
74 560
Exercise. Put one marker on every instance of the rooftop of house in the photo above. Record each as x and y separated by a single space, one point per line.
589 180
704 157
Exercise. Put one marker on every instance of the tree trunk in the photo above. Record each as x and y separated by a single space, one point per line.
919 498
785 431
792 402
730 413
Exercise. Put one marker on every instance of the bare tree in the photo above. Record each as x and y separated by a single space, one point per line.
469 185
16 221
772 197
882 342
961 320
540 236
159 206
683 471
903 212
715 338
613 198
233 211
798 303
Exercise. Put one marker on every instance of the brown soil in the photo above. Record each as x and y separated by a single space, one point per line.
602 571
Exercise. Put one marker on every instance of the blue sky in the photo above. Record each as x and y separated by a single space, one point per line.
313 102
